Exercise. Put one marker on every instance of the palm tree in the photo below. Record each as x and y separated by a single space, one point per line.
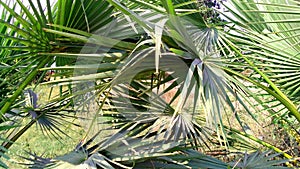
119 64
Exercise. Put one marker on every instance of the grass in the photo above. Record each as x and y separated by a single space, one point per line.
35 141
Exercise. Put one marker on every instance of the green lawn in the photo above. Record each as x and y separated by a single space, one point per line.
36 142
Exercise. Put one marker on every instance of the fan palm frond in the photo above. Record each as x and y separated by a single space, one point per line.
269 32
259 160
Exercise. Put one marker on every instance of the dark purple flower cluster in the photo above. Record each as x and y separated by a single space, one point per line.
208 10
212 3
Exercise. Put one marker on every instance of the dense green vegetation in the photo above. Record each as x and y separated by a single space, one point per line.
153 84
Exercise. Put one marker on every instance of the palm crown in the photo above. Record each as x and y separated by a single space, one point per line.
117 61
